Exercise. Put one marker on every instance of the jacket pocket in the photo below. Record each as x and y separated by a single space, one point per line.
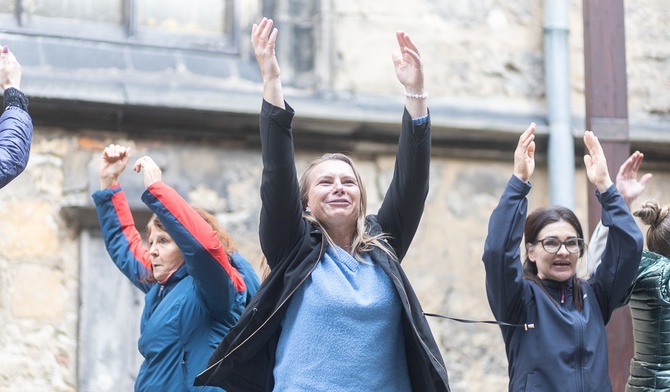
184 370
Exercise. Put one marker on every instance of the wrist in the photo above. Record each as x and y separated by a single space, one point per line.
521 177
421 95
603 186
108 183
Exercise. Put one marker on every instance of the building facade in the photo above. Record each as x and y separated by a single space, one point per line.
178 81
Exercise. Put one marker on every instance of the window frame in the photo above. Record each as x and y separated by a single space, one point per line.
128 32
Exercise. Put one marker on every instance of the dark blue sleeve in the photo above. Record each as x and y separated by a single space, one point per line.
122 240
248 273
502 255
621 259
220 285
16 133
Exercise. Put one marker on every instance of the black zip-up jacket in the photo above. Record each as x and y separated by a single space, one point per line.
244 361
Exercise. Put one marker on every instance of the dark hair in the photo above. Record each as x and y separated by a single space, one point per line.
224 238
537 221
658 234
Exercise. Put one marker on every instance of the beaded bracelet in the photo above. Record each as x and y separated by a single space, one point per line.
417 96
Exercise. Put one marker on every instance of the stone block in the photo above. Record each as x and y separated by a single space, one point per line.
214 65
28 230
37 293
164 62
72 56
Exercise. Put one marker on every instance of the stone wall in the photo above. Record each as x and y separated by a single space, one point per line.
491 51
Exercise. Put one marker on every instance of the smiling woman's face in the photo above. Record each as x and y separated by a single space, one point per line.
334 194
560 266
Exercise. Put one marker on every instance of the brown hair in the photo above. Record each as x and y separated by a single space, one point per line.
537 221
223 236
362 241
658 234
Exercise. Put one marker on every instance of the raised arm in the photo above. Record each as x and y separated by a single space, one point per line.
16 126
630 188
122 240
219 284
621 257
263 39
281 220
403 204
502 256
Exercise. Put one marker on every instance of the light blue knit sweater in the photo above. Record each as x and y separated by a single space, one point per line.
342 331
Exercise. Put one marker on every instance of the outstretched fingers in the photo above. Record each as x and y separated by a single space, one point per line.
407 46
524 154
596 163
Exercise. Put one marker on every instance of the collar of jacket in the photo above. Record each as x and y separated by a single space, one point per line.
175 278
561 292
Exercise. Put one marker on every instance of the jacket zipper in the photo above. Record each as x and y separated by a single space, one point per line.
580 355
273 313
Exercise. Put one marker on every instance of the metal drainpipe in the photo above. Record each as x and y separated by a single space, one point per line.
561 155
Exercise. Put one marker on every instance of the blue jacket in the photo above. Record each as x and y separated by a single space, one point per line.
16 133
186 317
567 349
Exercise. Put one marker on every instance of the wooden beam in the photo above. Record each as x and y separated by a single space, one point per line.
607 116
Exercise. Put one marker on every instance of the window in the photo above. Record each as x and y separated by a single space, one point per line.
206 25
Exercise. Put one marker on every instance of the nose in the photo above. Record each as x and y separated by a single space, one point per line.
153 250
563 248
338 187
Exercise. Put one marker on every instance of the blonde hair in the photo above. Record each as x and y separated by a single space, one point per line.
658 234
362 241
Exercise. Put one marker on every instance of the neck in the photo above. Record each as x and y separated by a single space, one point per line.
343 240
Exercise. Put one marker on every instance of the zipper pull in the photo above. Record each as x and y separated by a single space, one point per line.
562 294
160 291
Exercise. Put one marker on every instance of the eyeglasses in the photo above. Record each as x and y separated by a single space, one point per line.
553 245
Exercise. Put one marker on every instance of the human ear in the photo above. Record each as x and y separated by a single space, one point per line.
530 251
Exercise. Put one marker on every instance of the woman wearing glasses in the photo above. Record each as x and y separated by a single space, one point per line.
566 350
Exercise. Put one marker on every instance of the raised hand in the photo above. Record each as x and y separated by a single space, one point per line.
524 155
408 65
263 39
112 163
409 70
10 70
152 173
596 163
626 180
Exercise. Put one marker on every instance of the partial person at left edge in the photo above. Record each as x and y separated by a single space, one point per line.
16 126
